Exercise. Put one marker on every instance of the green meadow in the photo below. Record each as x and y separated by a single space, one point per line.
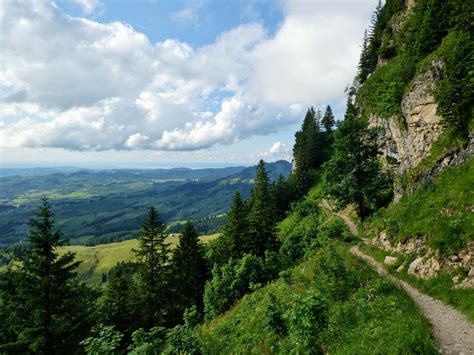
99 259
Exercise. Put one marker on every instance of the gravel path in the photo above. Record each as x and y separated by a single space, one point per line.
454 333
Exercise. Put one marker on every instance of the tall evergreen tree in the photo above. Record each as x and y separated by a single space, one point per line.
121 299
262 220
374 39
307 149
328 120
364 65
190 270
236 231
354 174
55 311
154 272
282 194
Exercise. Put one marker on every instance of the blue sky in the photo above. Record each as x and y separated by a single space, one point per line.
169 83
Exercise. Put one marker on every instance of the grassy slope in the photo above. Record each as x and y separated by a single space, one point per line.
440 210
100 259
370 316
375 316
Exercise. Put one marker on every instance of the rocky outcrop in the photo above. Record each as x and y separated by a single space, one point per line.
428 263
407 140
459 156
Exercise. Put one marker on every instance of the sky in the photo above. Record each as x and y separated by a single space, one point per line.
155 83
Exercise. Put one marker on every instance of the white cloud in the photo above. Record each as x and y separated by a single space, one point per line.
278 148
136 140
78 84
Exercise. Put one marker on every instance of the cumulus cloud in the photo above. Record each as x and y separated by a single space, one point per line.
278 148
78 84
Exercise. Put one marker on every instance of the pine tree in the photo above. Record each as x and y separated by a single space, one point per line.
328 120
236 232
55 310
262 220
190 270
154 272
354 174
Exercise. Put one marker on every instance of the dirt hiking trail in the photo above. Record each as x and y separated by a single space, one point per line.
453 332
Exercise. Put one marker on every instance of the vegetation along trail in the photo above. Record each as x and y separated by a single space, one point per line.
452 330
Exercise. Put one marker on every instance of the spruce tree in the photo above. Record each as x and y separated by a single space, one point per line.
328 120
154 272
121 299
261 218
353 174
190 270
55 309
307 149
282 194
364 65
236 231
374 40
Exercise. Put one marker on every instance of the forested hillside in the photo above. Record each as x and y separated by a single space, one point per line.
282 276
94 207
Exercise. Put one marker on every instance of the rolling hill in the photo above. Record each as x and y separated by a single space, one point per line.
97 206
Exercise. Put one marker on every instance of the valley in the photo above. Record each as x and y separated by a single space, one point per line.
94 207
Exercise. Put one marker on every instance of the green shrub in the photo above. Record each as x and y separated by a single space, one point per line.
151 342
106 341
306 321
182 340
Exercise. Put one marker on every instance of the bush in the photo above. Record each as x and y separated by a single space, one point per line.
306 321
151 342
182 340
106 341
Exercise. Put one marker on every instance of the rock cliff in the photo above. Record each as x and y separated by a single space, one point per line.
408 139
416 122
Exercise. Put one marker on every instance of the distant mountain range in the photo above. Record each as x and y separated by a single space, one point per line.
93 205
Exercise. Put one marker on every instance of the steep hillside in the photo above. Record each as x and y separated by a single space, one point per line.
323 305
415 85
418 90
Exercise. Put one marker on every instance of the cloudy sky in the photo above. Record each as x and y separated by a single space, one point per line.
169 82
